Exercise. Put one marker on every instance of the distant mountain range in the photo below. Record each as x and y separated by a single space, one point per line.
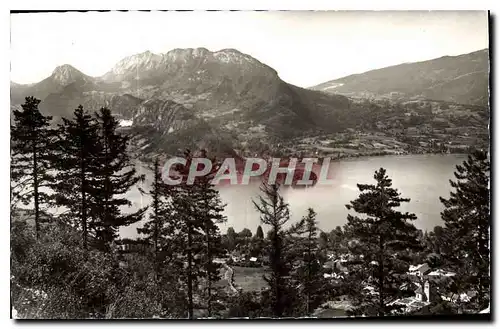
227 100
459 79
228 91
209 83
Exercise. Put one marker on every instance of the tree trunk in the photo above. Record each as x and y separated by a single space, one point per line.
35 190
209 272
189 274
381 311
309 271
156 234
83 200
278 311
107 191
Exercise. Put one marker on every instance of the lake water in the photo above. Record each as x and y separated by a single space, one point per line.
422 178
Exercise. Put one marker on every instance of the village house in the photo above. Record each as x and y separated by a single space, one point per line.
441 273
409 305
419 270
422 298
220 260
237 257
130 246
426 284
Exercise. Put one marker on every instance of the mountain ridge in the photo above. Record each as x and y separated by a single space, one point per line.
484 50
227 92
145 58
433 79
229 100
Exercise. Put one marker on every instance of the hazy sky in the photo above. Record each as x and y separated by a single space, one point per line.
306 48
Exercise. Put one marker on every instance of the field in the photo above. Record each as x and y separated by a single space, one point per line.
249 278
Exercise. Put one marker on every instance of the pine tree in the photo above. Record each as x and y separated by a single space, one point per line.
274 211
245 234
258 243
115 174
337 242
76 163
159 230
335 237
32 142
231 238
467 226
309 272
210 212
189 233
385 238
324 240
259 234
244 237
436 241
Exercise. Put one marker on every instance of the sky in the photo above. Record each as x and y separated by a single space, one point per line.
305 48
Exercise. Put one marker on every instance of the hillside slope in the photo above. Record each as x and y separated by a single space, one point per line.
460 79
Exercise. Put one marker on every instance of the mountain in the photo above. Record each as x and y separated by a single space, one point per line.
229 91
460 79
63 77
134 67
227 101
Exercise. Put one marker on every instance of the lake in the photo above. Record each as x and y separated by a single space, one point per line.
422 178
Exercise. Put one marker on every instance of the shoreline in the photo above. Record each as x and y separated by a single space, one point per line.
359 156
141 162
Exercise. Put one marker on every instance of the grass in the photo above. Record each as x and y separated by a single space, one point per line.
249 278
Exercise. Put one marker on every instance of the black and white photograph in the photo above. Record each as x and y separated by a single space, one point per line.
250 165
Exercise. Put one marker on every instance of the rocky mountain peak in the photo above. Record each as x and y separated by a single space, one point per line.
66 74
187 52
234 56
182 61
139 62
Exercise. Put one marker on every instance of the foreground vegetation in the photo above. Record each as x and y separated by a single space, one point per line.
74 265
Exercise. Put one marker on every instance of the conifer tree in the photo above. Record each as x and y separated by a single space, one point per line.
258 243
159 230
335 238
467 226
436 241
115 174
274 211
385 238
209 210
76 163
324 240
32 142
189 233
231 238
259 234
308 272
